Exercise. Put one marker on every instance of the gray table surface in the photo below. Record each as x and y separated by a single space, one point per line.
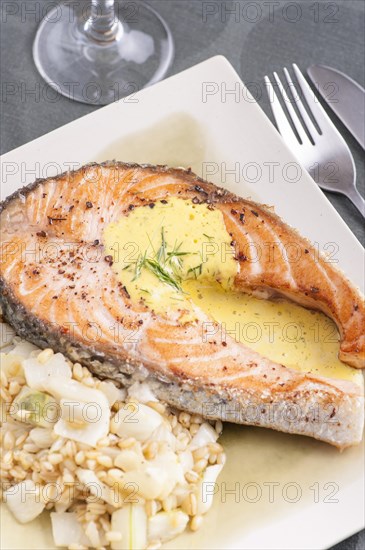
331 33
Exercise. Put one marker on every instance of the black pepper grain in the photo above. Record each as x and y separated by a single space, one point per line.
126 292
51 220
242 257
199 189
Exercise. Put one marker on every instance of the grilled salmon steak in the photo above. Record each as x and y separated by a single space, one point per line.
75 277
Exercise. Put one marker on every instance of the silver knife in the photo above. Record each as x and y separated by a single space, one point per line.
345 97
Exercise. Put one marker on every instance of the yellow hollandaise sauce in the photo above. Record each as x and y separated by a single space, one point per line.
157 247
175 255
286 333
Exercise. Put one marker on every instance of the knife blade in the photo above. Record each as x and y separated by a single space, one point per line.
345 97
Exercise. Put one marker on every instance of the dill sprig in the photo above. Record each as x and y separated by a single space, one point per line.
164 264
174 257
161 273
139 265
161 253
161 263
197 270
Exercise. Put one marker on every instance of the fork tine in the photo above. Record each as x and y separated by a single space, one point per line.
310 126
293 115
318 112
280 117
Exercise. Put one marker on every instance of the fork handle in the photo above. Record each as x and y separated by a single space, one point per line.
358 201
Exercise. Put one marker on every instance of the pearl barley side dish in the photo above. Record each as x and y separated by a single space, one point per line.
114 467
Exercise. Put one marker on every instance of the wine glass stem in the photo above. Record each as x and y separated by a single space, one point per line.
103 25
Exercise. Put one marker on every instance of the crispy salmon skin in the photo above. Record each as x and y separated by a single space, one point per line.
69 299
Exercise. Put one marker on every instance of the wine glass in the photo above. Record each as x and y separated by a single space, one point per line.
99 51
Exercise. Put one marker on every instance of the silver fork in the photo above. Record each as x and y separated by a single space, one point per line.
326 155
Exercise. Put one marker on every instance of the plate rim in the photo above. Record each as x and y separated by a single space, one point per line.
220 63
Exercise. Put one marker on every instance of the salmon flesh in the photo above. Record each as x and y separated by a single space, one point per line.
60 298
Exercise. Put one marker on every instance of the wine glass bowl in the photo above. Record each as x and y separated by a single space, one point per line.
100 51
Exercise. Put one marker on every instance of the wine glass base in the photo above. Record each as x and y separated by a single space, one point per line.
100 72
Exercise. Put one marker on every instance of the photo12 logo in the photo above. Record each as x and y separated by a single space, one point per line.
270 10
252 91
91 92
53 11
272 492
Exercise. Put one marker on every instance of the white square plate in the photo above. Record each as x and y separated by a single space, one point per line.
277 491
